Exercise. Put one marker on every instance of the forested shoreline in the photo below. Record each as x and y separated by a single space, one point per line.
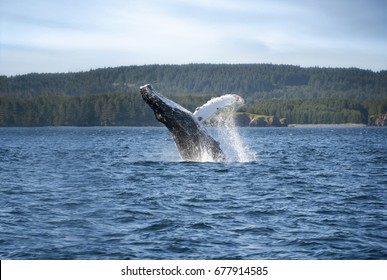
110 96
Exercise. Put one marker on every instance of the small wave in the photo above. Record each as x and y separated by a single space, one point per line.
201 225
159 226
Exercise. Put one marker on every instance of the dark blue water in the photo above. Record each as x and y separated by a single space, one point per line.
123 193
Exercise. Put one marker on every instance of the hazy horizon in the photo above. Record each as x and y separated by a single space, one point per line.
72 36
198 63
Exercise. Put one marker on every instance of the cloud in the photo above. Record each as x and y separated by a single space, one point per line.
74 35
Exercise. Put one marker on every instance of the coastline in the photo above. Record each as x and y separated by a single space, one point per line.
329 125
145 126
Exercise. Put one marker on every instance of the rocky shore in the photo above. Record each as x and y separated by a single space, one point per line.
251 120
378 120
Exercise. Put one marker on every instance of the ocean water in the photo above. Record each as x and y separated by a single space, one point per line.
124 193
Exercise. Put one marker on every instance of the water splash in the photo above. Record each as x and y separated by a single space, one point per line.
227 134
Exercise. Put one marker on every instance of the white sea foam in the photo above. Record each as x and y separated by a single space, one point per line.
227 133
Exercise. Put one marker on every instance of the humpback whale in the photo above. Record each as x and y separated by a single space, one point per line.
191 137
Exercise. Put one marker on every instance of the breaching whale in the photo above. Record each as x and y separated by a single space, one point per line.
191 137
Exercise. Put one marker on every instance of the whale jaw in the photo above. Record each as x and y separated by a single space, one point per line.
192 140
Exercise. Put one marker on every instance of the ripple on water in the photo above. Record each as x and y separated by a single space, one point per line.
100 193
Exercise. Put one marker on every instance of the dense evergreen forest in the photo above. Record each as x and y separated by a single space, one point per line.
110 96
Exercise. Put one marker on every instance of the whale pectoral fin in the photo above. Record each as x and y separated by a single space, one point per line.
213 106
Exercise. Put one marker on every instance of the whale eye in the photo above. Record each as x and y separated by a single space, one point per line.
200 119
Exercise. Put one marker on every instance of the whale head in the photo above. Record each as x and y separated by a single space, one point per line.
171 114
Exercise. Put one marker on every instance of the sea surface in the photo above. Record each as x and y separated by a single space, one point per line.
124 193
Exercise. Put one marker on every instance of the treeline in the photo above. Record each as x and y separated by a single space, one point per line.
128 109
89 110
110 96
252 81
320 111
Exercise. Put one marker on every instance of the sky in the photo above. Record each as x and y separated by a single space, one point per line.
47 36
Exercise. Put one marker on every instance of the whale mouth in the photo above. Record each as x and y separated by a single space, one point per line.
166 111
149 94
146 86
155 101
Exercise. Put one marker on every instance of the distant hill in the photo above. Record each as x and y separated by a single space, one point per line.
110 96
252 81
